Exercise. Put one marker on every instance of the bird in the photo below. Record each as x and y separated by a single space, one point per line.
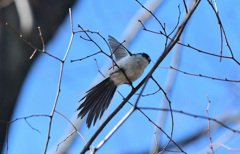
129 67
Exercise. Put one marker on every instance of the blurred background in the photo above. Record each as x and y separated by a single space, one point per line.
29 87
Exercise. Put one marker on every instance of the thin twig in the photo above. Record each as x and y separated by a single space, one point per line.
72 125
65 139
34 52
198 50
155 137
31 126
43 44
179 15
152 15
162 25
99 69
25 118
28 43
168 88
160 88
208 130
221 27
86 57
200 75
222 145
38 115
192 115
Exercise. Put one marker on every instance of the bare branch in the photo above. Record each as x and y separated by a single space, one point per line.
192 115
185 6
208 130
59 85
72 125
27 42
200 75
221 29
222 145
86 57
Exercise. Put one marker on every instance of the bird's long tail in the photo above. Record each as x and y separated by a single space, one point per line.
97 101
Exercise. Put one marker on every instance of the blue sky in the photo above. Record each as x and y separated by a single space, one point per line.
137 133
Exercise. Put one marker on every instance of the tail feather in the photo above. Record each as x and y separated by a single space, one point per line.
96 108
100 106
97 101
104 103
91 96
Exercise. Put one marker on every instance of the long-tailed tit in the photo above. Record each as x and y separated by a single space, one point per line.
128 69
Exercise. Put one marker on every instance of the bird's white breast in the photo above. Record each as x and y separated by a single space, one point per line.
133 67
